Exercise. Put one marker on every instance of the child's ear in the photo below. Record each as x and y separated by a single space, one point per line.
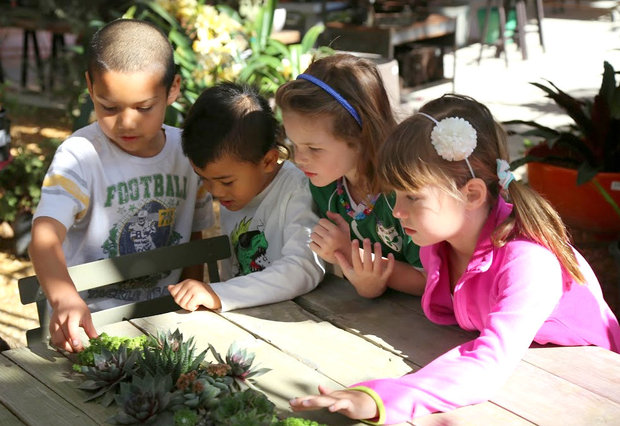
475 192
175 90
270 160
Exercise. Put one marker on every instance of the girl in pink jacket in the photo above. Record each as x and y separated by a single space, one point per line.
506 270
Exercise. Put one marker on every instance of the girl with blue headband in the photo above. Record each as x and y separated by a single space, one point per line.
337 115
498 259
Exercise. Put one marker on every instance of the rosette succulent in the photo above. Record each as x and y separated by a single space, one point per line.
144 400
108 370
240 362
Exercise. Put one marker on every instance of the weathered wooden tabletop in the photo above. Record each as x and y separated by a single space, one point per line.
332 337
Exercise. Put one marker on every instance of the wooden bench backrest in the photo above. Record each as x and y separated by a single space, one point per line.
117 269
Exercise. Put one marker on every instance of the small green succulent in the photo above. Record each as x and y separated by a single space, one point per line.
112 343
108 370
144 400
248 408
168 354
240 362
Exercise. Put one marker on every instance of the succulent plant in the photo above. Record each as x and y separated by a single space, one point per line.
185 417
108 370
144 400
112 343
240 362
196 391
248 408
168 354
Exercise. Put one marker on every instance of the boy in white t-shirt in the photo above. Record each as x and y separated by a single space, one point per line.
120 185
232 140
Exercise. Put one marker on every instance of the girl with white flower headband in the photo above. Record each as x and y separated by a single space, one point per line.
504 269
337 115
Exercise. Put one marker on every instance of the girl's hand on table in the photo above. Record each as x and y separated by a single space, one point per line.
191 294
330 236
353 404
368 272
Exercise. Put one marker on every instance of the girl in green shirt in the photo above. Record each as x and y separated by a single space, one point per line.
337 115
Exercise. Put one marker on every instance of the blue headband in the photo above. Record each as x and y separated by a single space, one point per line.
342 101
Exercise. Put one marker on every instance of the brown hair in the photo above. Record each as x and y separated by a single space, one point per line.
131 45
408 161
358 81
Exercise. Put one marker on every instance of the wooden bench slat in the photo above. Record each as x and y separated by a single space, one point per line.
113 270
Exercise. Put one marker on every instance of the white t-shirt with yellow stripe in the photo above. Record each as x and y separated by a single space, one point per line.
113 203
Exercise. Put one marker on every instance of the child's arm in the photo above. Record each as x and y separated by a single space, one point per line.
509 309
293 270
352 403
69 309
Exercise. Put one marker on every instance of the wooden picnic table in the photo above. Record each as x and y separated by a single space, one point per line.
333 337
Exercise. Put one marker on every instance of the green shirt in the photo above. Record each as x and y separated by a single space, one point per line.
380 225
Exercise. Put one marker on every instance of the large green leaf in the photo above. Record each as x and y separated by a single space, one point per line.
586 172
608 85
311 36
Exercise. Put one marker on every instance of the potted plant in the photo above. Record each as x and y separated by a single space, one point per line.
577 167
20 191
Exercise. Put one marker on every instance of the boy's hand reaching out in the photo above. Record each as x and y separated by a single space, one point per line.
353 404
67 317
330 236
191 294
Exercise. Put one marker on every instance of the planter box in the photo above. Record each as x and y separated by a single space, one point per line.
580 206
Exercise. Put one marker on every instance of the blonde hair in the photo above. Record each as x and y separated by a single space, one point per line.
408 161
358 81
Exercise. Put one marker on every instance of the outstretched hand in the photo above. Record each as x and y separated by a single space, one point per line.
353 404
67 317
368 271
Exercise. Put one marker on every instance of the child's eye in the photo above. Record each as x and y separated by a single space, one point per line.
108 108
411 197
145 109
311 148
227 183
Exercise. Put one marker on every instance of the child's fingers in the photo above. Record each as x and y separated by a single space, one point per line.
344 263
324 390
72 334
339 221
173 289
59 339
367 255
390 266
378 260
325 226
89 328
356 260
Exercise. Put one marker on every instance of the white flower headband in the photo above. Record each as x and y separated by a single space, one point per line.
454 139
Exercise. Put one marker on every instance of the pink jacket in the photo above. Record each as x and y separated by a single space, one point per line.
513 295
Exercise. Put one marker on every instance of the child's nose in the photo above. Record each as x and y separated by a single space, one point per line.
398 211
127 119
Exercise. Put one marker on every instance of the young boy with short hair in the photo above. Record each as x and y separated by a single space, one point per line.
117 186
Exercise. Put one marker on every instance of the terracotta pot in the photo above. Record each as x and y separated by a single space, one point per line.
580 206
